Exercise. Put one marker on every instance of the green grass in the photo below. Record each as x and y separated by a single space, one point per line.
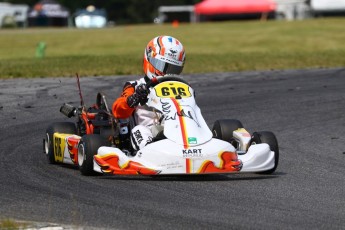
210 47
12 225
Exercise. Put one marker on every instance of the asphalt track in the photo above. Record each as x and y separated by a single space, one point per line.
304 108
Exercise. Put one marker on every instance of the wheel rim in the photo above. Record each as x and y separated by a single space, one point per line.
46 144
81 155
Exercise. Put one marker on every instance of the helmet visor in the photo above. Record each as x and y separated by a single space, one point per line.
165 67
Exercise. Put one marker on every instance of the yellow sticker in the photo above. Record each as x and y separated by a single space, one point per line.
172 89
59 145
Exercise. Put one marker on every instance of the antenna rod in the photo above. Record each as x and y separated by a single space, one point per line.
81 96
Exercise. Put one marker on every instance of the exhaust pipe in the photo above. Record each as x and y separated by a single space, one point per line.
68 110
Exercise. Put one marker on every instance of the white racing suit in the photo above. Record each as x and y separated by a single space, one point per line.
141 134
144 119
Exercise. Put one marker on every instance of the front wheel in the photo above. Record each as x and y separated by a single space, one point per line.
48 142
223 130
87 148
270 139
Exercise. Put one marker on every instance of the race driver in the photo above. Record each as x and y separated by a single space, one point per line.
163 55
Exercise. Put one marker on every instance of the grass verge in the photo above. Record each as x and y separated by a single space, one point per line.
210 47
8 224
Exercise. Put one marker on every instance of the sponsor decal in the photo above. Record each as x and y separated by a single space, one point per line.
172 165
192 153
172 54
173 51
171 61
138 136
192 140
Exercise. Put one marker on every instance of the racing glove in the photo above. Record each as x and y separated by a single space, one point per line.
139 96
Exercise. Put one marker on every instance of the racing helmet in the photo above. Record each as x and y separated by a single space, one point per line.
163 55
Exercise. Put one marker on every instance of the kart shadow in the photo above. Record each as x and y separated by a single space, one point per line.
67 166
186 177
200 177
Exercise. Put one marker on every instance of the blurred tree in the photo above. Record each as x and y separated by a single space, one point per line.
120 11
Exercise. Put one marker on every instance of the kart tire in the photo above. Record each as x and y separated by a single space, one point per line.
270 139
48 144
87 148
223 130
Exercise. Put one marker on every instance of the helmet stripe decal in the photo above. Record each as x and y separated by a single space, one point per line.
181 55
159 45
162 51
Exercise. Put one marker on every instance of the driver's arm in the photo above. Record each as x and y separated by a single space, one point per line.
121 109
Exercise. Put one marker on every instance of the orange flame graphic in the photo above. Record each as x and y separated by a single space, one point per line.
110 164
229 163
72 143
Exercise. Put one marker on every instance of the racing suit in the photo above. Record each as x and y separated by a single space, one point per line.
141 134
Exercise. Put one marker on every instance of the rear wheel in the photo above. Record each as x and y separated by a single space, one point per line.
270 139
87 148
223 129
48 144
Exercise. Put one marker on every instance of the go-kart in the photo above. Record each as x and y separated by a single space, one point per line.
62 139
183 143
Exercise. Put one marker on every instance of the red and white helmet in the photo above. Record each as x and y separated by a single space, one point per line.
163 55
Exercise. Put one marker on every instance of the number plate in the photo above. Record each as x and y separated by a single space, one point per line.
59 146
172 89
